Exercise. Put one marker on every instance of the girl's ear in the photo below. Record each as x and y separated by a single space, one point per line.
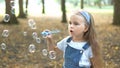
86 28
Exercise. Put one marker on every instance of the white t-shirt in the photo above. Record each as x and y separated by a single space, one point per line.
87 54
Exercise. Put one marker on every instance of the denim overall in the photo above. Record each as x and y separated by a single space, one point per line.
73 56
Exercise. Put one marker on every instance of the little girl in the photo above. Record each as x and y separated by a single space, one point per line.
80 48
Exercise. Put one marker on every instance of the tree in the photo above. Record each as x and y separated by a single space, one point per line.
82 4
43 6
26 12
98 3
10 10
116 16
21 11
63 8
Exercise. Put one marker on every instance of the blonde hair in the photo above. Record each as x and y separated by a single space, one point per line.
91 38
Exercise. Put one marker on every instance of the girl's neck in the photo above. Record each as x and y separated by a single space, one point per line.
76 39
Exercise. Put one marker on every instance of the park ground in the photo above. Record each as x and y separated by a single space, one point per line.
16 54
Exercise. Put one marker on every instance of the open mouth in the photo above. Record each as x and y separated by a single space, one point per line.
71 30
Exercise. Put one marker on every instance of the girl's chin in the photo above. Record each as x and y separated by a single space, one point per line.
71 34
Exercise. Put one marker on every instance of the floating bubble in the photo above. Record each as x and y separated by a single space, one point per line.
31 48
34 35
45 33
12 3
13 10
44 52
5 33
33 27
25 33
52 55
32 23
6 18
38 40
3 46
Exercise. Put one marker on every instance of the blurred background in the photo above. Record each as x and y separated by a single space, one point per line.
22 21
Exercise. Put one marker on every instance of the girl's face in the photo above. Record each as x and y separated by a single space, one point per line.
77 26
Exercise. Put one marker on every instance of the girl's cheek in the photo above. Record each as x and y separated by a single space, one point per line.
83 25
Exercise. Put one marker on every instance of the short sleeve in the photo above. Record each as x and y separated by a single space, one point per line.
62 44
90 52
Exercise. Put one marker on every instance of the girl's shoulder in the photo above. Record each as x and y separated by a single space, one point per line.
63 43
66 38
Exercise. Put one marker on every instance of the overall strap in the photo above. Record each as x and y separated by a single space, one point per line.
85 46
69 39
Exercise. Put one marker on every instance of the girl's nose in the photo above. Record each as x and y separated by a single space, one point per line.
71 25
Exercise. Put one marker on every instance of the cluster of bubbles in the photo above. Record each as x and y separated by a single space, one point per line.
7 16
5 34
12 4
32 48
51 54
32 24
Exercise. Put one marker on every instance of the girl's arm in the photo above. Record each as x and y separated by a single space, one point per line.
51 45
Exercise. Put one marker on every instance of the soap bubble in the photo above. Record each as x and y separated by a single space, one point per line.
13 10
6 18
33 27
3 46
44 52
34 35
25 33
12 3
38 40
32 24
52 55
31 48
5 33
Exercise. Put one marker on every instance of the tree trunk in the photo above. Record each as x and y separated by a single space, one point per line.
21 11
63 8
26 11
9 11
98 3
82 4
116 16
43 7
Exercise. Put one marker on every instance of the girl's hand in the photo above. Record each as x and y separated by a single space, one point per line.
47 34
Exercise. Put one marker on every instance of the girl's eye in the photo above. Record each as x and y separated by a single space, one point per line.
70 22
76 23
